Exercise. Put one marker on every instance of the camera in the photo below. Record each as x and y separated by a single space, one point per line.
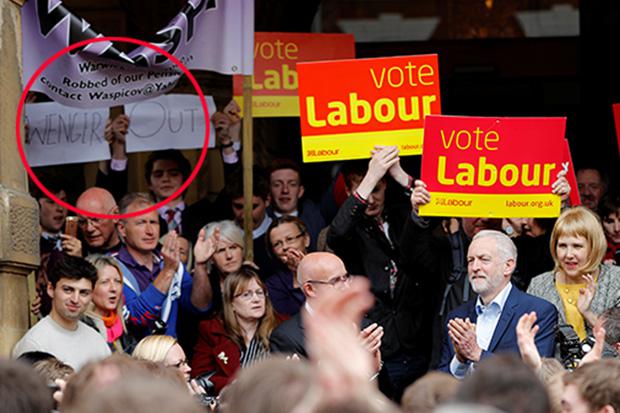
572 350
208 398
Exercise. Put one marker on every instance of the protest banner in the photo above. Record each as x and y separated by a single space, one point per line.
207 34
349 106
568 164
59 134
492 167
168 122
274 88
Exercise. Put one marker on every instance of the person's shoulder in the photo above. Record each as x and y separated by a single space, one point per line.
534 302
86 330
541 280
213 325
612 271
288 326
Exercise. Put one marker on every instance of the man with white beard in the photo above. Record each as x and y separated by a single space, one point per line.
487 324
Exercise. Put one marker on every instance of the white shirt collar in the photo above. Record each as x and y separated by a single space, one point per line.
262 228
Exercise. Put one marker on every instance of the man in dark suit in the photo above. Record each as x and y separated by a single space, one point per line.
486 325
316 272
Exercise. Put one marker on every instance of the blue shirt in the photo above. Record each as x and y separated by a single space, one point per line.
144 308
488 317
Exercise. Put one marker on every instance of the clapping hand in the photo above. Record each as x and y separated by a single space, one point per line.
526 333
463 336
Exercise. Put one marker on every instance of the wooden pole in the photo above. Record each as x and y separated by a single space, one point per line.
248 161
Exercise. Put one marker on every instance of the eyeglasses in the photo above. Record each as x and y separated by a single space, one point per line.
278 245
180 363
83 222
249 294
337 281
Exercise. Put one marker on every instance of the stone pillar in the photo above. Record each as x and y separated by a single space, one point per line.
19 238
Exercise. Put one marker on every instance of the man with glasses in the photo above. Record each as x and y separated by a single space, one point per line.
99 234
317 272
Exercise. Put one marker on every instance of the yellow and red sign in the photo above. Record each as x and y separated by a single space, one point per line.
569 166
274 88
347 107
492 167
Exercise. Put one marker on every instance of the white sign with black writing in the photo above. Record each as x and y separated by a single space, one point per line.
59 134
168 122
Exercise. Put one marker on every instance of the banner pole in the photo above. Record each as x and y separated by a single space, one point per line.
248 160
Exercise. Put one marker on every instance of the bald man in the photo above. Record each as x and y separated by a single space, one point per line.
100 234
316 273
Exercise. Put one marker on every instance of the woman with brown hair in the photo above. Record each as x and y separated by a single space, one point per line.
239 336
579 286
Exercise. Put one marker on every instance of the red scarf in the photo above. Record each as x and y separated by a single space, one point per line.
110 320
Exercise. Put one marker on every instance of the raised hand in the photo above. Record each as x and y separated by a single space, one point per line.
115 130
382 160
71 245
597 350
586 295
420 195
170 252
526 333
293 258
206 247
561 186
370 337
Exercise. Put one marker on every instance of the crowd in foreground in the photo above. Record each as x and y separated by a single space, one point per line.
346 306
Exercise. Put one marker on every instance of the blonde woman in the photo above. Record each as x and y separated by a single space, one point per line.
579 286
239 336
105 311
165 350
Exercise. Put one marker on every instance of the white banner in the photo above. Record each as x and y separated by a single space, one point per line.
168 122
213 35
61 135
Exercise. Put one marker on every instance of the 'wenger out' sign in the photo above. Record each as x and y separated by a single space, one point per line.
349 106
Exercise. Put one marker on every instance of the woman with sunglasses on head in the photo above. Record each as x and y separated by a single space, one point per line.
288 240
239 335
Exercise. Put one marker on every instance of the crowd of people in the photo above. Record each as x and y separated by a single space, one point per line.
354 303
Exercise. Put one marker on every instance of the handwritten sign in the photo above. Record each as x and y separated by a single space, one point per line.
168 122
60 134
347 107
492 167
274 88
